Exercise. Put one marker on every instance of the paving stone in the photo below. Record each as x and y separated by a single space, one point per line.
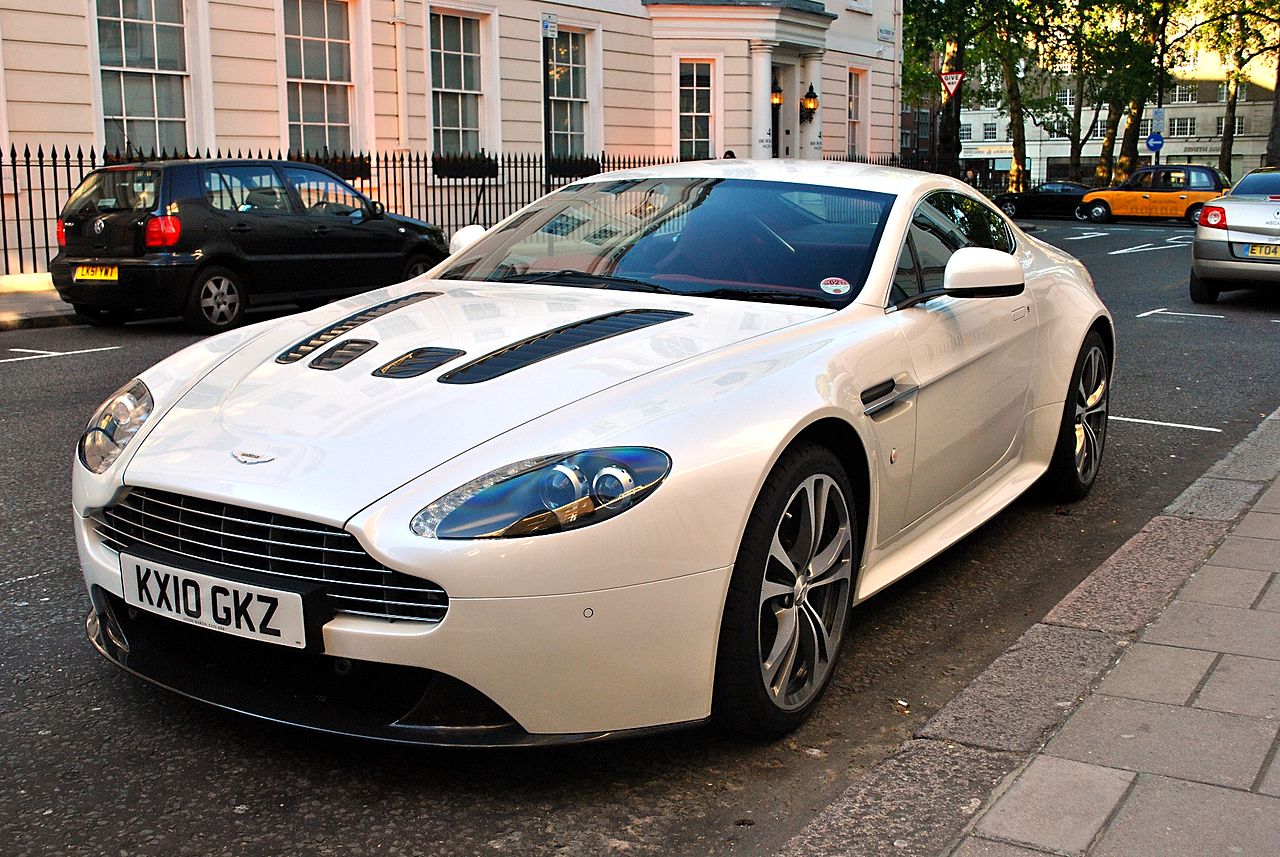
1205 746
1164 817
1271 782
1248 686
1269 501
1026 691
1271 598
1259 525
974 846
1212 499
1128 590
1255 633
1230 587
1256 458
915 803
1242 552
1158 674
1056 805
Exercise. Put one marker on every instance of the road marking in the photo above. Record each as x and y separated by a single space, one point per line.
28 577
1166 425
1170 244
1086 235
35 351
1163 311
56 353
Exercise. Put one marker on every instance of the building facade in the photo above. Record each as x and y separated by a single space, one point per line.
684 79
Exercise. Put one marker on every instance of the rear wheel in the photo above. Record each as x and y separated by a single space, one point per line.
788 601
1193 214
1083 431
103 316
216 301
1201 291
1009 208
1098 212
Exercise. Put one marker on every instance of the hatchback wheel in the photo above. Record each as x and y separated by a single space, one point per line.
1099 212
1083 431
417 266
788 600
216 302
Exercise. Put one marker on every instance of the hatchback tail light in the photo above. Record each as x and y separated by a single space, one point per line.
62 233
163 231
1214 217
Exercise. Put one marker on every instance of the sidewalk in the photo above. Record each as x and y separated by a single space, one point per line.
29 300
1140 717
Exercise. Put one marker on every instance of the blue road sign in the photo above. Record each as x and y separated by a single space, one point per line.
1155 142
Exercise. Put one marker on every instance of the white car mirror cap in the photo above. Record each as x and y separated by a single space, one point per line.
980 272
465 237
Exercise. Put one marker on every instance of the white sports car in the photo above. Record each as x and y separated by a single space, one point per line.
625 462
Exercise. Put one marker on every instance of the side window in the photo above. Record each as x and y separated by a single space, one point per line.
1200 180
1174 180
322 194
906 278
246 189
980 225
935 238
1142 181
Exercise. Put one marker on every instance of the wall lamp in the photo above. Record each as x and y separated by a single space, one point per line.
775 94
808 105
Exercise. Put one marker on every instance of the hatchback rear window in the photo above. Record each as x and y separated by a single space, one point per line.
116 190
1258 184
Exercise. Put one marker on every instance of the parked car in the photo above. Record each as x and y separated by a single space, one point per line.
1237 242
607 471
1171 191
208 238
1051 199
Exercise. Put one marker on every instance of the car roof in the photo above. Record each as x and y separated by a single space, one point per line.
165 163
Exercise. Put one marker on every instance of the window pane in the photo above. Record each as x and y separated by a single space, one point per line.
292 24
293 57
313 18
702 127
139 46
312 102
173 136
140 9
470 111
295 138
109 48
170 52
450 111
339 61
702 101
111 9
452 71
169 99
686 101
469 141
142 135
313 60
340 138
313 138
139 99
578 76
471 73
113 136
470 35
111 102
437 22
704 74
295 105
337 19
452 33
169 11
337 98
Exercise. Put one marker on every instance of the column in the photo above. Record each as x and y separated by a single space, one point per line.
761 87
810 147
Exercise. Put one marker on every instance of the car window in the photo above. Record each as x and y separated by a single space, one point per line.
1141 181
116 190
1201 180
1258 184
980 225
322 194
935 237
906 277
1173 180
247 189
1052 188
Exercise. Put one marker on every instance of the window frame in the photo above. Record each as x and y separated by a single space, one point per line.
1187 123
325 83
716 125
593 96
490 106
1183 93
857 130
1220 123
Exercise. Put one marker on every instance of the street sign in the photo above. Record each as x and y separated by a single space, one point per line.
1157 120
951 81
1155 142
550 25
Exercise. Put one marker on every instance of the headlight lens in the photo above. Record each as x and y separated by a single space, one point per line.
114 424
546 495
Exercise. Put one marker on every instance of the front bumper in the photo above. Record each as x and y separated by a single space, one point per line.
533 670
155 282
1221 261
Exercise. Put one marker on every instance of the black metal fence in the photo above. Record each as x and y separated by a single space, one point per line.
450 192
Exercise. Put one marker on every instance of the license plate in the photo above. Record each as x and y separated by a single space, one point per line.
98 272
1271 251
241 609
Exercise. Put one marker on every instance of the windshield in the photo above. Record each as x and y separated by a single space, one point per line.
726 238
1258 184
116 190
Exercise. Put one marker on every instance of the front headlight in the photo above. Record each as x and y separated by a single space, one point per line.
114 424
546 495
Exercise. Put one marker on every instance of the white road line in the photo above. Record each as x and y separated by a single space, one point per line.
35 351
59 353
1170 244
28 577
1166 425
1163 311
1149 312
1086 235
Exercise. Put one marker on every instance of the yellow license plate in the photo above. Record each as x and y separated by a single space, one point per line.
97 272
1268 250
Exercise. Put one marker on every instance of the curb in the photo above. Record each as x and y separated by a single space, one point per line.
928 794
41 321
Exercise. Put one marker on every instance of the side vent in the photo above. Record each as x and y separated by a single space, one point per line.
342 354
417 362
557 341
323 337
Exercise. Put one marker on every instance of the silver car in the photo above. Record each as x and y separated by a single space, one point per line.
1237 243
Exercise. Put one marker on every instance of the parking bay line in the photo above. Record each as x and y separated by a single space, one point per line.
1163 311
43 356
1165 425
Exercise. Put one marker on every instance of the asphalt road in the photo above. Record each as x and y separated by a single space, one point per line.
93 762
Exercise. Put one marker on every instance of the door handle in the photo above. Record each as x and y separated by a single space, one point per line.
322 230
1021 313
241 227
1182 196
1146 196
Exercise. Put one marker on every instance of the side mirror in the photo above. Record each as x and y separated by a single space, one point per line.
377 208
980 272
465 237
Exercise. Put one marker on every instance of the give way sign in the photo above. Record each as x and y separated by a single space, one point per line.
951 81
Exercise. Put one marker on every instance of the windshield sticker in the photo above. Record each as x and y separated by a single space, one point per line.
835 286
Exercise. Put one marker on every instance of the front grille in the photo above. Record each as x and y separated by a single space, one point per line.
280 546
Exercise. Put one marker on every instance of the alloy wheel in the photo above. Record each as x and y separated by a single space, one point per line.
219 300
804 594
1091 413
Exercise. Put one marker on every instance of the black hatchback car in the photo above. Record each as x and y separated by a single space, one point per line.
209 238
1051 199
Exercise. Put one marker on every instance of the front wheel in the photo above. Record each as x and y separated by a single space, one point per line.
788 600
1083 431
1009 208
1193 214
216 301
417 266
1099 212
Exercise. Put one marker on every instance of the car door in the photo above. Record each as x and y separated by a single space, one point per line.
1170 188
257 217
1133 198
971 357
355 254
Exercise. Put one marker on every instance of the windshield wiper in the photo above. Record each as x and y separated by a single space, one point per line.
771 296
568 276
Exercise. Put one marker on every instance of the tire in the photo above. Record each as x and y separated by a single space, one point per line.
416 266
765 686
103 316
1098 212
1193 214
1082 213
1201 291
216 301
1009 208
1082 434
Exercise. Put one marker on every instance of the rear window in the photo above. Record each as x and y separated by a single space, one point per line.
116 190
1258 184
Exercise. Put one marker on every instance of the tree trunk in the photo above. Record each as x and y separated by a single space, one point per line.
1272 158
1129 145
1229 122
1018 133
949 114
1106 158
1078 131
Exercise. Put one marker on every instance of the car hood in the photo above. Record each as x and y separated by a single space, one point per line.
289 437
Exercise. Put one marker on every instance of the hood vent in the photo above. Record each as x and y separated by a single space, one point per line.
557 341
342 354
417 362
323 337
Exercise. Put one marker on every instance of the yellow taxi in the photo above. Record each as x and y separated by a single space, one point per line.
1172 190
